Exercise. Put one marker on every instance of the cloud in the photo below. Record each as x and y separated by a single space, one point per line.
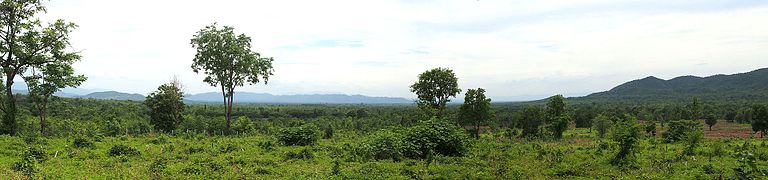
510 48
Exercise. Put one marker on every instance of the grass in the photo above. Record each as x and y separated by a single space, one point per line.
580 155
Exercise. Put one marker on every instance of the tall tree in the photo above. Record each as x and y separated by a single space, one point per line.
166 106
557 115
435 87
229 62
25 43
48 78
476 109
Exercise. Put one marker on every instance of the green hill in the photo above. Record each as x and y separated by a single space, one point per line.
743 87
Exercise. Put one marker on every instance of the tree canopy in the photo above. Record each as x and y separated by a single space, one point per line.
26 44
228 61
434 88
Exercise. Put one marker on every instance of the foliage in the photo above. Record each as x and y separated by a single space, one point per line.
123 150
435 136
166 106
602 124
557 117
558 125
476 109
82 142
584 115
328 132
228 61
298 136
27 44
626 132
680 130
530 118
711 120
385 144
434 88
747 167
760 119
650 128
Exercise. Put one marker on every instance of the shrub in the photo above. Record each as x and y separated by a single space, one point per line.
298 136
678 130
558 125
435 136
627 133
266 145
328 132
529 119
602 124
29 162
123 150
166 106
304 153
385 144
242 125
650 128
692 139
81 142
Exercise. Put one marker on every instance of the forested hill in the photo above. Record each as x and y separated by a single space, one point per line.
743 87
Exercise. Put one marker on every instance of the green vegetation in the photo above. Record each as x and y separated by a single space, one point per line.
228 62
164 138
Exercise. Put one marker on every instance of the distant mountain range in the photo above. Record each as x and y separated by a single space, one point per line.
247 97
749 86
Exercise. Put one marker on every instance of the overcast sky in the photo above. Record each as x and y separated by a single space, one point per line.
513 49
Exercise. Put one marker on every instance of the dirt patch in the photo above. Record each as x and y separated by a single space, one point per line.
725 129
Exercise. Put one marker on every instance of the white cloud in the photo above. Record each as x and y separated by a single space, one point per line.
511 48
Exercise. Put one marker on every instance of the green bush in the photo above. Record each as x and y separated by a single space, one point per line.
385 144
298 136
81 142
627 133
602 124
678 130
304 153
123 150
435 136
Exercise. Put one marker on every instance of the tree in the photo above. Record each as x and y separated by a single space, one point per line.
48 78
760 119
476 109
166 106
695 109
627 133
228 61
434 87
602 124
24 44
530 118
711 120
584 115
557 117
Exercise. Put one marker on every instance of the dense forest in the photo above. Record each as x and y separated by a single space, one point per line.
683 128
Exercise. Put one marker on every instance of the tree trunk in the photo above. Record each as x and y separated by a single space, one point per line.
9 116
43 123
229 113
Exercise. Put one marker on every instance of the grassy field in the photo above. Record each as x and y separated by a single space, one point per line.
580 154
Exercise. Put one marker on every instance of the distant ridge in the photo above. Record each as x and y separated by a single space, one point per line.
113 95
247 97
742 87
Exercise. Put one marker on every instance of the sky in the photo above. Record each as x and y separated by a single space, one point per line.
516 50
